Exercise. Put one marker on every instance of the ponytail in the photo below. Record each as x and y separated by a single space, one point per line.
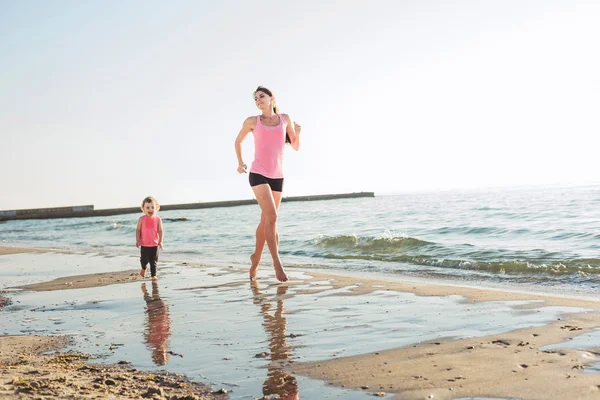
287 137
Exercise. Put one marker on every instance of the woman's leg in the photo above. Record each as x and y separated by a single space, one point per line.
268 206
259 247
261 238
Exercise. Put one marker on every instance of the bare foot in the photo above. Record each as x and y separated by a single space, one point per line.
253 267
280 272
154 278
143 273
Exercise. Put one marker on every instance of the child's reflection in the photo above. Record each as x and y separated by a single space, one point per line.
158 327
278 382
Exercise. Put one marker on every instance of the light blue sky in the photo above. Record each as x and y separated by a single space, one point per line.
105 102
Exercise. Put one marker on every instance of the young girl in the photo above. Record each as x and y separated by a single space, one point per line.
149 235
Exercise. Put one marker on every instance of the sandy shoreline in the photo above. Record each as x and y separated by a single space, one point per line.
506 365
84 281
5 250
509 364
25 373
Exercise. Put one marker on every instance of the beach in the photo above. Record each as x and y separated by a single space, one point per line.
26 373
418 174
321 335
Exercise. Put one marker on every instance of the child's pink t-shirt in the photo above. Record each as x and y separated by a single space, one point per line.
149 234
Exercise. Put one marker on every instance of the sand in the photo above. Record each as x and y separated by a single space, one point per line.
5 250
511 364
507 365
24 373
27 373
84 281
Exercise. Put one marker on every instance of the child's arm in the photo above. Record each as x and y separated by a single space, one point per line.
138 233
160 233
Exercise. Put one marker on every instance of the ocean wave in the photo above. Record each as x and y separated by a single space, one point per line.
115 226
513 267
389 244
91 225
573 235
11 231
471 230
392 248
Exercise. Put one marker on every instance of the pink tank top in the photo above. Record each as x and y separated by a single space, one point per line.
149 231
269 142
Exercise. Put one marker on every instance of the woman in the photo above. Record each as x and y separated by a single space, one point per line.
271 132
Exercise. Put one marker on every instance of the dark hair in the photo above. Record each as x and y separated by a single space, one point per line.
150 199
275 110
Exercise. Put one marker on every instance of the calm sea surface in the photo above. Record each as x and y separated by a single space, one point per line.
518 237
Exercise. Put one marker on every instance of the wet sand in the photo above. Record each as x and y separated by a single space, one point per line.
25 373
33 366
509 365
5 250
461 362
84 281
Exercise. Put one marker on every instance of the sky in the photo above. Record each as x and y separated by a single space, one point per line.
106 102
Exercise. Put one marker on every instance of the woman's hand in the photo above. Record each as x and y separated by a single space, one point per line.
296 142
241 169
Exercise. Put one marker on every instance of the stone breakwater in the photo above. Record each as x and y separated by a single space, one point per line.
89 211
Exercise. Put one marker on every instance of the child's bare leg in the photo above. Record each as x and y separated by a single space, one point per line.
154 278
143 273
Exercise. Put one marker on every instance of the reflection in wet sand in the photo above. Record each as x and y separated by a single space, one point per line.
158 326
278 382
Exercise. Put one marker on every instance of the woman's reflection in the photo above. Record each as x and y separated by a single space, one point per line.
278 382
158 327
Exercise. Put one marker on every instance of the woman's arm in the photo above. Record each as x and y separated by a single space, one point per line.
247 127
293 131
